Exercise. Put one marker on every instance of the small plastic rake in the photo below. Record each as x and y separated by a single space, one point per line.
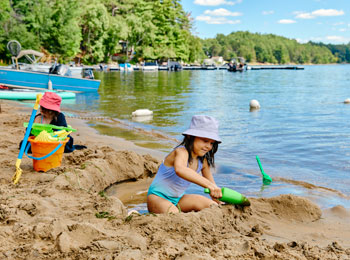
266 178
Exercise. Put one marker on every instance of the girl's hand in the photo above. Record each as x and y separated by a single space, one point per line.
215 192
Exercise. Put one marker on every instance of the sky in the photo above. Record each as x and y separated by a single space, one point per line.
326 21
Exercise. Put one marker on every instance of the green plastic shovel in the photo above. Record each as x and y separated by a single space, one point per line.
232 197
266 178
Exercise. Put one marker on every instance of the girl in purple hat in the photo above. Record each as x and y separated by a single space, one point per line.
181 167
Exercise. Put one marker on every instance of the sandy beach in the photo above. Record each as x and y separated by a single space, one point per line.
65 213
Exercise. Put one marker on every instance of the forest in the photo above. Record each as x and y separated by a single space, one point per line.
95 30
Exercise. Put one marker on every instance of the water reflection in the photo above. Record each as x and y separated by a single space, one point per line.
162 92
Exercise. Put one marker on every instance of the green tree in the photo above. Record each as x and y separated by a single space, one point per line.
64 33
94 24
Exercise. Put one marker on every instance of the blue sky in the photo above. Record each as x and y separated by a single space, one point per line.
325 21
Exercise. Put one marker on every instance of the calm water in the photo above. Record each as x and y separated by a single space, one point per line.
301 133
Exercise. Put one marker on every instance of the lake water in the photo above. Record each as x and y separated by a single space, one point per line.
301 133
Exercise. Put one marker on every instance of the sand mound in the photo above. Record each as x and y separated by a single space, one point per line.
64 214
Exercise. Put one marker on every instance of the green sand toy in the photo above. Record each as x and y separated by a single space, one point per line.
266 178
232 197
37 128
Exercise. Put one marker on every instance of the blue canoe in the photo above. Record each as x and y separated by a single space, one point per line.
30 95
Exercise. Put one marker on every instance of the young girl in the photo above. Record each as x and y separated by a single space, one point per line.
50 113
182 166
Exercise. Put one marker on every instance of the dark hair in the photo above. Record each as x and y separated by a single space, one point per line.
51 112
188 143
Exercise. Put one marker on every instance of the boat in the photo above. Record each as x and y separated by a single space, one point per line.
208 64
150 66
237 65
42 80
174 65
124 67
58 77
31 95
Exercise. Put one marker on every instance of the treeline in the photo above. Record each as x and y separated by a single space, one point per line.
255 47
340 51
94 29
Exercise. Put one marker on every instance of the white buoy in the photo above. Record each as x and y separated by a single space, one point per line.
347 101
142 112
254 104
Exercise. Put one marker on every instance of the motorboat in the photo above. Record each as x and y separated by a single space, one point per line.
150 66
42 80
237 65
58 77
124 67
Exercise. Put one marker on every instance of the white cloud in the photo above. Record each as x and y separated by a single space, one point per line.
328 12
340 23
302 15
337 38
216 20
318 13
286 21
301 40
342 30
221 12
268 12
329 39
216 2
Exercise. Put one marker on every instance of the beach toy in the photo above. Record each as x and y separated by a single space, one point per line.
18 172
37 128
266 178
49 137
142 112
46 154
232 197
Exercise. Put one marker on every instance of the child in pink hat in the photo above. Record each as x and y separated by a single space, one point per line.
50 113
188 163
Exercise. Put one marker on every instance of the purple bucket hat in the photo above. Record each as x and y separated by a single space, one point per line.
204 126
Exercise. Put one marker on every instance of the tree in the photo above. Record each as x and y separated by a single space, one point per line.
94 25
64 33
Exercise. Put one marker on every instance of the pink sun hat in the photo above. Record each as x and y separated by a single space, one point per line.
51 100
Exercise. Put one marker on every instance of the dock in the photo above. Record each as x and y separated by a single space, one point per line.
196 67
275 67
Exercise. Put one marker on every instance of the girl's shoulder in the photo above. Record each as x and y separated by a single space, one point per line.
180 149
60 120
169 159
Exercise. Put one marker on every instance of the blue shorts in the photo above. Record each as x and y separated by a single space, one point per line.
173 200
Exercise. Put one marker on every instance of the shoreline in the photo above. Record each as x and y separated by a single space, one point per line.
64 212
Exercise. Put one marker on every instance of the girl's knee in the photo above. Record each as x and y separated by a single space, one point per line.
192 202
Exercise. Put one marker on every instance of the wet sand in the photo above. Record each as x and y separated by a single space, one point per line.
64 213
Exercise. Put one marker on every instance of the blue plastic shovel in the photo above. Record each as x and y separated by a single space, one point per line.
266 178
18 172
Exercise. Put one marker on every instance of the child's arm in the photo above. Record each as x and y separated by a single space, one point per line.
206 172
181 169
